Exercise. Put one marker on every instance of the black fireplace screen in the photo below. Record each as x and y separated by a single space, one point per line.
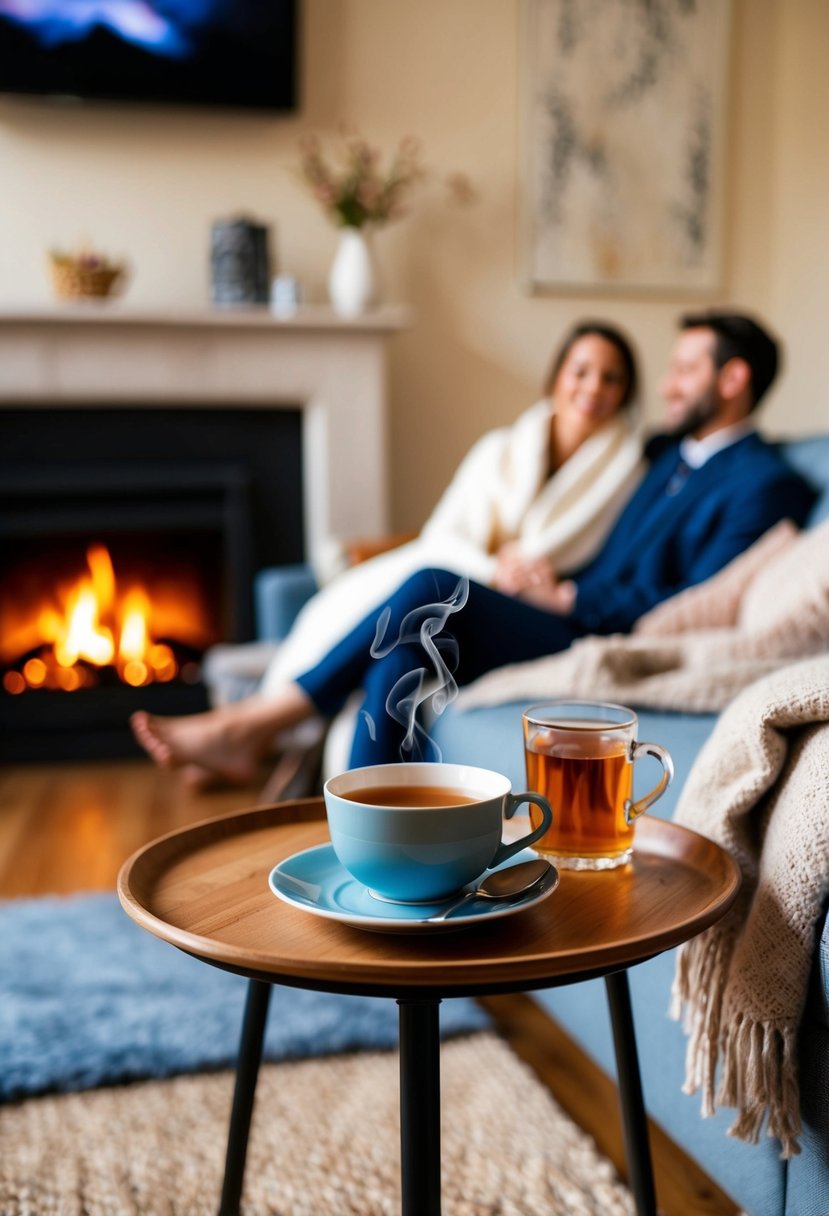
130 540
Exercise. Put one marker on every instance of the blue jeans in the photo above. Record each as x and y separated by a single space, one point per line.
439 642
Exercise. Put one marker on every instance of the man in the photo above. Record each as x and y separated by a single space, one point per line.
713 487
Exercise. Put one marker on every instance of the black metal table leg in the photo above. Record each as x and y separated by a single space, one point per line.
420 1106
634 1118
247 1071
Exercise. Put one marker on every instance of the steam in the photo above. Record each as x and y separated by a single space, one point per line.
436 684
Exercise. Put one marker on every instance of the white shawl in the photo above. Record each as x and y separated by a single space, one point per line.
500 493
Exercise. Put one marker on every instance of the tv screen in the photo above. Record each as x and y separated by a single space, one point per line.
201 52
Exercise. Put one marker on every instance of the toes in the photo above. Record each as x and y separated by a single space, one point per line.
153 744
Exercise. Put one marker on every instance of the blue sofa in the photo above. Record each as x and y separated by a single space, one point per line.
754 1176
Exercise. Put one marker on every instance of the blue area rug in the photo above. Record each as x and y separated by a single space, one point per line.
88 998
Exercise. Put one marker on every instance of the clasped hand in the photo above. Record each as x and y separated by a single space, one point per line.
533 579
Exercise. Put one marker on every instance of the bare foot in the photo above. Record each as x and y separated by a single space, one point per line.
227 744
205 747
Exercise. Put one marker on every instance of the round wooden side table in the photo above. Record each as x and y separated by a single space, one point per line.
205 889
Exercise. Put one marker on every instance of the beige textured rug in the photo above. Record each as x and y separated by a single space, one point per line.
325 1142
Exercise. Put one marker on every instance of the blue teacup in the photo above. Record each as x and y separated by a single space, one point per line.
417 833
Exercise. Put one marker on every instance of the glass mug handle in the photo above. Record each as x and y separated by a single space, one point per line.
634 809
511 805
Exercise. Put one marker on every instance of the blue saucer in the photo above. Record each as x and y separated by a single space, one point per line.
315 881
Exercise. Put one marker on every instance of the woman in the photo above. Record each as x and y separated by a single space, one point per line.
527 502
542 493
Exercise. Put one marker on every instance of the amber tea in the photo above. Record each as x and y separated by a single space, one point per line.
580 757
411 795
588 794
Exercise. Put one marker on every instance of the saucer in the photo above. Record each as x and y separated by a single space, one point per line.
315 881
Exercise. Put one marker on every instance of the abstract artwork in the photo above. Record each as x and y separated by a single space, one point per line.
623 143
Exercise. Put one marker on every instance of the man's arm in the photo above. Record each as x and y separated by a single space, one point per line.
706 542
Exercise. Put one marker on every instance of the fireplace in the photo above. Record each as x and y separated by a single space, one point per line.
214 442
130 542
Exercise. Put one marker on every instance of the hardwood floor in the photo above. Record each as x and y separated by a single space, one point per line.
67 828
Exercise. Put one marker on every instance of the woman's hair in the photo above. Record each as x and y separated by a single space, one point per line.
599 329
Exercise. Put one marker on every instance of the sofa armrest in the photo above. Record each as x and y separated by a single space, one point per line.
363 548
810 458
279 593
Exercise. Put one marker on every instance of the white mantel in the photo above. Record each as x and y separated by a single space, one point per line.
110 355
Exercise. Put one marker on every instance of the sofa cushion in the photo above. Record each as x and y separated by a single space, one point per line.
792 593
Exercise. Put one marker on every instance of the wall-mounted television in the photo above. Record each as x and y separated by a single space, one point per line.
226 53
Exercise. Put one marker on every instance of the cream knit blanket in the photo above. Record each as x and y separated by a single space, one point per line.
760 789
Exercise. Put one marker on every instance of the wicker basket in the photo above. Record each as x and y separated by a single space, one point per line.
74 281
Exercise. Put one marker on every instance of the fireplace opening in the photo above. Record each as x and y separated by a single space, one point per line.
118 570
94 615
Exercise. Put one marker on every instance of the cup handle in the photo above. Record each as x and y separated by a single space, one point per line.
634 809
512 802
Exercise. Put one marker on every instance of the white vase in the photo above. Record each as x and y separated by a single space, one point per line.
352 282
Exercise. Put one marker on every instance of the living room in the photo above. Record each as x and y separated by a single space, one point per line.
464 342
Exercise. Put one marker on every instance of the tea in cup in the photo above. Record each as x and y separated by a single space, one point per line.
418 832
580 756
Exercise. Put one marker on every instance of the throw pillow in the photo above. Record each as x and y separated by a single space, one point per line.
792 592
715 604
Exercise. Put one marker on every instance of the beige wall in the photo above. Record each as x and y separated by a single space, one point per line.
149 183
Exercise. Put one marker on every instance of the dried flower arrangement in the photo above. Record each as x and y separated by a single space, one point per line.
353 189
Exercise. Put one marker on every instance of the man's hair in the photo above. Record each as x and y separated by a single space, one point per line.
740 337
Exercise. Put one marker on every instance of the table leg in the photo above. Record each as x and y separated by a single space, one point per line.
634 1118
420 1107
247 1071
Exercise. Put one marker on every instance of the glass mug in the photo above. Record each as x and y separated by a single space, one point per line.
580 757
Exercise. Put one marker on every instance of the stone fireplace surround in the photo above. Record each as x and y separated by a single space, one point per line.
108 357
108 354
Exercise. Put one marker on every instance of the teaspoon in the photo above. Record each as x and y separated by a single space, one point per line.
505 884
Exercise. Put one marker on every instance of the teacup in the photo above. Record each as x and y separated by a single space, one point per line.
417 833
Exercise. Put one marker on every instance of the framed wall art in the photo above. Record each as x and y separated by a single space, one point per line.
624 115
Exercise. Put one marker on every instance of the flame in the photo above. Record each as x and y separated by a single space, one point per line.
92 623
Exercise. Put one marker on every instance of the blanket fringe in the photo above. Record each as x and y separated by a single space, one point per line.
759 1078
758 1059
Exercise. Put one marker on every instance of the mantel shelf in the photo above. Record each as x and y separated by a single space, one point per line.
113 355
309 317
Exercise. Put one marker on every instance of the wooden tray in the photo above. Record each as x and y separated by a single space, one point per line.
205 890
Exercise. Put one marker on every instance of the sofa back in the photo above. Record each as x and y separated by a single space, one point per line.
810 458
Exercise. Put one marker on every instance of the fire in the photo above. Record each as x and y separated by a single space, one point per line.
93 623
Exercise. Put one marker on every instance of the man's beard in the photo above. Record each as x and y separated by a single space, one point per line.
703 410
